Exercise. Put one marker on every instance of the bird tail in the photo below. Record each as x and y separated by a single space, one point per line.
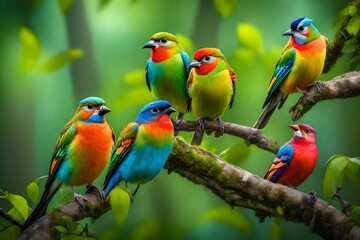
197 137
42 205
269 109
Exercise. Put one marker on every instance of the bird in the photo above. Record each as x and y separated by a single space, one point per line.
296 159
300 64
142 148
211 87
81 153
167 70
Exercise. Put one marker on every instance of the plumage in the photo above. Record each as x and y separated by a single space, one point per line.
300 64
295 160
211 86
81 152
167 70
142 147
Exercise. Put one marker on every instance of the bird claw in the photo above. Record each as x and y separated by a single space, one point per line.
319 86
80 200
201 128
312 198
220 132
96 190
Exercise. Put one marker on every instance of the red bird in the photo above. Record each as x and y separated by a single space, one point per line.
296 159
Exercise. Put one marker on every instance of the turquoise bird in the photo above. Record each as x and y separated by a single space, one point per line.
142 147
167 70
81 153
211 87
300 64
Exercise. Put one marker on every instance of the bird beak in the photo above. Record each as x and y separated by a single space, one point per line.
150 44
297 131
104 110
194 64
288 33
169 111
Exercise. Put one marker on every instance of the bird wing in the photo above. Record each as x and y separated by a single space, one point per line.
66 137
123 145
282 70
233 79
185 59
189 84
147 74
282 160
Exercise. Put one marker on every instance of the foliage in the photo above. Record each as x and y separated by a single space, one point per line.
339 167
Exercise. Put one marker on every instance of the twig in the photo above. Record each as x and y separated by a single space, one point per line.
10 218
345 205
344 86
250 135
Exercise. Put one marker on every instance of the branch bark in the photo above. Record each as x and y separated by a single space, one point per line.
344 86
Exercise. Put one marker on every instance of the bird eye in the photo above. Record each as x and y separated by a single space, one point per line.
307 131
163 40
88 108
155 110
303 29
208 59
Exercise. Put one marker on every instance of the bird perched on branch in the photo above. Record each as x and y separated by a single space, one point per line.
300 64
211 87
81 153
167 70
295 160
143 147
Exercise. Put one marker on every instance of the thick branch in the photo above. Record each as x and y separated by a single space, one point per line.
44 227
250 135
240 188
344 86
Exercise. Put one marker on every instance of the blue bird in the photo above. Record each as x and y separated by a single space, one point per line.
143 147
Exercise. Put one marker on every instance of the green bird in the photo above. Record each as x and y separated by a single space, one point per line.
211 87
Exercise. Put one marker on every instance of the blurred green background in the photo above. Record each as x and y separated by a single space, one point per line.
42 80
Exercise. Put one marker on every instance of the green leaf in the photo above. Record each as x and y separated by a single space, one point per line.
355 213
225 7
13 231
275 229
185 42
250 37
349 10
61 229
236 153
334 174
225 214
352 170
65 5
30 48
135 77
60 59
20 204
120 203
71 226
353 25
33 191
350 46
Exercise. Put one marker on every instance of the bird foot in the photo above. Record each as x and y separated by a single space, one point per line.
220 132
80 199
312 198
201 128
96 190
176 124
319 86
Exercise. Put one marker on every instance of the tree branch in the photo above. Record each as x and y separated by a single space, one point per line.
240 188
344 86
234 185
10 218
250 135
44 229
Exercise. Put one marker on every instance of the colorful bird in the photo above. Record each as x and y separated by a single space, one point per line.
211 87
167 70
295 160
81 152
300 64
143 147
